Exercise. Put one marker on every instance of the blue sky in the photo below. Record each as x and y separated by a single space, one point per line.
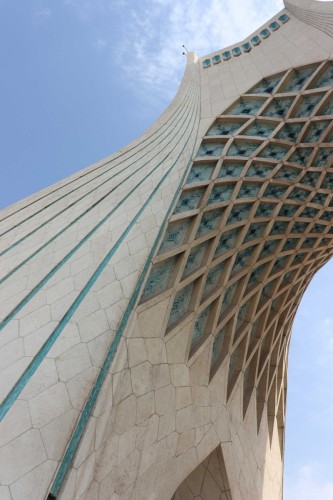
81 78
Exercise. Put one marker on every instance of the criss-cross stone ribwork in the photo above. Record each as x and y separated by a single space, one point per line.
147 301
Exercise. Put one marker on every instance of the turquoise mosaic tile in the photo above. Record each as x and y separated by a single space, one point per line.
225 128
249 190
298 194
284 18
323 158
256 230
236 51
239 213
195 258
288 210
230 169
227 242
269 248
298 79
226 55
265 33
260 169
213 279
279 264
241 316
209 222
199 329
328 181
265 210
290 244
216 59
319 199
246 47
257 275
221 193
181 304
290 132
260 129
228 298
274 26
267 85
246 107
242 260
189 200
299 227
275 191
279 107
175 235
274 152
287 173
242 148
308 104
279 227
309 242
159 278
316 130
328 216
210 149
327 109
318 228
200 172
301 156
326 79
310 212
217 348
206 63
256 40
310 179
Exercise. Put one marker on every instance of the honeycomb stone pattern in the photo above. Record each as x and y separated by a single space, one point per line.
252 226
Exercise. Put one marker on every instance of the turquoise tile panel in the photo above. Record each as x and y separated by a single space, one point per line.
217 348
159 278
275 191
299 78
274 26
189 200
260 129
246 47
290 131
328 107
236 51
299 227
315 131
256 230
265 33
210 221
319 198
230 169
181 304
242 148
243 259
301 156
200 329
216 59
249 190
298 194
269 248
225 128
195 258
221 193
310 179
206 63
328 181
274 152
239 213
323 158
227 242
310 212
175 235
290 244
265 210
226 55
326 79
256 40
279 227
307 105
257 169
284 18
288 173
210 149
200 172
246 107
213 279
288 210
279 107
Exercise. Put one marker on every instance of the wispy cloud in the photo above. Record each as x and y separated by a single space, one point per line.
308 486
100 44
41 13
158 29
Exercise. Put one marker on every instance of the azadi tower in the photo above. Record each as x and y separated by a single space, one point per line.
147 301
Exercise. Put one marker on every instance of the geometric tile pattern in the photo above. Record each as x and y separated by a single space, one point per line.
252 225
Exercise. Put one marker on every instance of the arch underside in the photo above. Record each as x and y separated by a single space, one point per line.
252 225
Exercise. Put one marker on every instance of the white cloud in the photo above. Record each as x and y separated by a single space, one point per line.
308 486
42 13
157 29
100 44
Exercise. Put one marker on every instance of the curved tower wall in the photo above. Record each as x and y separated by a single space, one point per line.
103 397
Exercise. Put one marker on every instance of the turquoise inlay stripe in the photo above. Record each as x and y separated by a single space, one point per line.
61 232
83 420
78 200
174 116
37 360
